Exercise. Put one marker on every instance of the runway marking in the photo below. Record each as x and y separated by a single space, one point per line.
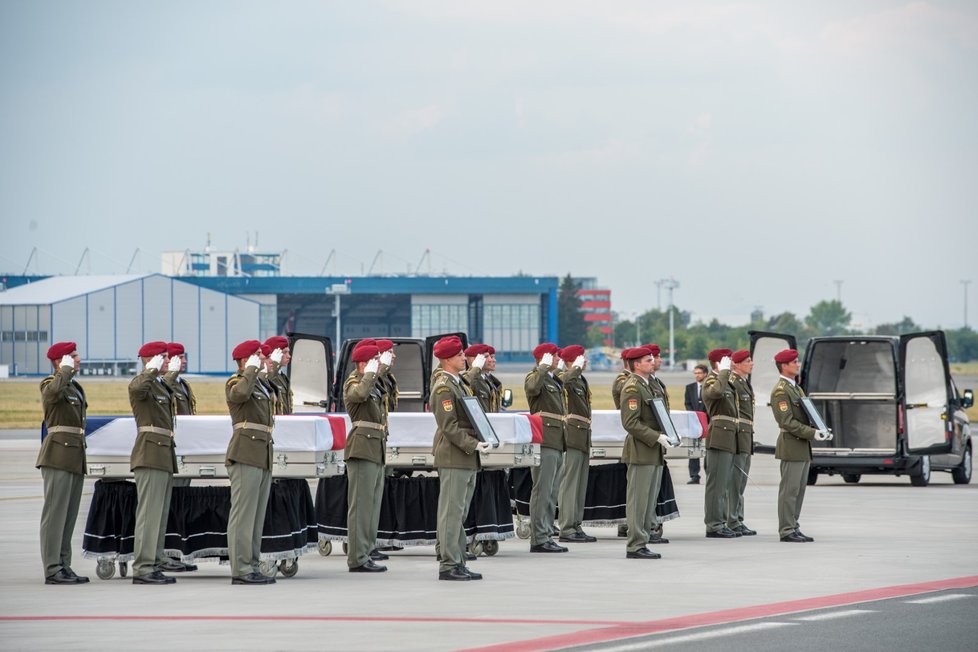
939 598
836 614
647 644
602 635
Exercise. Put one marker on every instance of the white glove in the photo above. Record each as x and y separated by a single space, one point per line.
665 441
372 366
724 364
561 365
253 361
155 363
480 361
386 358
821 435
483 446
579 362
67 361
276 356
547 360
174 363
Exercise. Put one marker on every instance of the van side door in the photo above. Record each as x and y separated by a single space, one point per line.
927 393
763 346
310 372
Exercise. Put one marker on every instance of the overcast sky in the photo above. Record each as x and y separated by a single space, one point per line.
756 151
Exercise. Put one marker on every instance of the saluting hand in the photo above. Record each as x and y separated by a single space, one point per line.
174 364
155 363
480 361
725 363
579 362
253 361
276 356
547 360
372 366
387 358
67 361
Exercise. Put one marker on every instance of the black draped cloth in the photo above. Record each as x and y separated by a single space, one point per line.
604 501
198 521
409 509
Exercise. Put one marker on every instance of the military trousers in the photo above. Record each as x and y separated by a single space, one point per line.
250 486
455 490
791 494
543 499
153 488
719 470
641 494
181 482
573 488
364 492
738 485
62 495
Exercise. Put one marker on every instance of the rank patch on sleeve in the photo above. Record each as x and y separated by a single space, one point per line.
632 404
446 405
783 406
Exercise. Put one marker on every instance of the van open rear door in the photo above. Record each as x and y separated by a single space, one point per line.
310 372
763 346
927 390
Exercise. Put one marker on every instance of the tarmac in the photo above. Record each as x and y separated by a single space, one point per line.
878 538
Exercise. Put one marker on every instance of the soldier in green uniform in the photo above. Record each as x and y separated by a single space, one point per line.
249 462
62 462
480 382
456 449
619 382
153 463
573 482
180 388
794 447
388 380
545 395
365 454
279 357
742 365
721 444
642 452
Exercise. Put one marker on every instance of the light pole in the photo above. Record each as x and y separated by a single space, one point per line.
838 291
337 290
965 284
671 284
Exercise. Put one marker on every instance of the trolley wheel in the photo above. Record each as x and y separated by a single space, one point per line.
490 547
476 548
523 530
325 547
105 569
289 567
268 568
123 569
346 548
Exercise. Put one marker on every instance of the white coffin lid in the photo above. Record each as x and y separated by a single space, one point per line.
606 425
417 429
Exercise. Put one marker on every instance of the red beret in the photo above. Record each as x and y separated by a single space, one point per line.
448 347
489 349
636 353
740 356
475 349
718 354
277 342
61 349
653 348
366 342
545 348
570 353
384 345
364 353
150 349
175 348
246 349
266 350
788 355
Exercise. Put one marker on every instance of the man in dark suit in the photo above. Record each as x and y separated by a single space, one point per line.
694 402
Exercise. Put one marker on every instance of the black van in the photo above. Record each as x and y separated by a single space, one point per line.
890 401
317 378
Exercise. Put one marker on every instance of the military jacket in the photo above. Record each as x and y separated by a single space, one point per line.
271 389
639 421
745 413
545 394
184 396
283 391
577 393
795 440
65 410
154 408
366 404
721 404
388 385
455 438
659 389
252 408
484 387
616 386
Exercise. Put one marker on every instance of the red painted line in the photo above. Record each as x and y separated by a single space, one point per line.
629 630
349 619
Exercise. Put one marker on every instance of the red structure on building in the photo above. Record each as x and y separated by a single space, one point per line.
596 306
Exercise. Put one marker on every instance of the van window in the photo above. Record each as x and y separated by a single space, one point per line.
851 366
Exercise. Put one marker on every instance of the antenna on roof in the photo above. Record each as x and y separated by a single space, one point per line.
132 260
332 252
84 255
29 259
376 258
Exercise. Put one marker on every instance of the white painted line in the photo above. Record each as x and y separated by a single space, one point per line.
940 598
836 614
647 643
